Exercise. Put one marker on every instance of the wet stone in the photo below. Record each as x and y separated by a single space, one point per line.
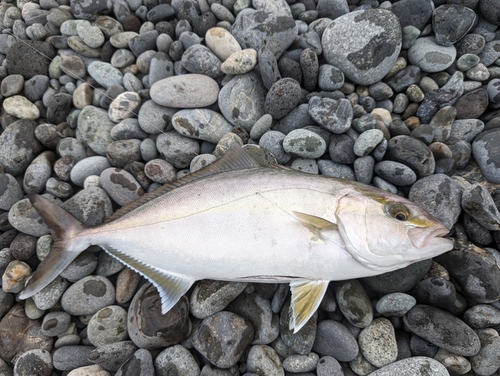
209 297
88 296
354 303
176 359
148 328
222 338
442 329
395 304
381 42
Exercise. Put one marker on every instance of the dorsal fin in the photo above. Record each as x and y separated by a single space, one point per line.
235 158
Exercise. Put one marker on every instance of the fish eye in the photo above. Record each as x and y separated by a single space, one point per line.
399 212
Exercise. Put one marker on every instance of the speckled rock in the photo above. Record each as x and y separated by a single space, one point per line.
485 149
33 362
222 338
430 56
304 143
264 359
412 367
108 325
377 342
112 355
331 114
176 359
201 124
176 149
381 42
94 126
282 97
354 303
442 329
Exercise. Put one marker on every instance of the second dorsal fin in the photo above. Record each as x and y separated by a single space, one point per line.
235 158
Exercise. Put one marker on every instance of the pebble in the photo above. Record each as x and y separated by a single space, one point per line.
451 22
381 42
185 91
222 337
242 100
35 361
176 359
210 297
483 150
264 359
141 361
412 367
354 303
240 62
429 56
112 356
301 363
201 124
377 342
221 42
88 295
108 325
176 149
478 203
68 358
395 173
148 328
88 167
367 142
304 143
442 329
335 340
10 191
331 114
282 97
486 361
199 59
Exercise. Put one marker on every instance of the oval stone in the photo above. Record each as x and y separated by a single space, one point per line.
442 329
185 91
201 124
363 44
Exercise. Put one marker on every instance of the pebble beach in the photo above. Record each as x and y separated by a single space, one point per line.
104 101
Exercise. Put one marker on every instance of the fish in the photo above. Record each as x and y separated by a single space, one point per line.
235 220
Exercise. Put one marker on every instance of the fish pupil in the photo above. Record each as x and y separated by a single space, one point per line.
400 216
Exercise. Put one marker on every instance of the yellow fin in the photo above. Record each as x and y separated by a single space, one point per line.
306 297
314 223
170 287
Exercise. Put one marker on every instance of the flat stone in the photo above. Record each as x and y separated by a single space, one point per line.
185 91
331 114
451 22
485 149
429 56
412 367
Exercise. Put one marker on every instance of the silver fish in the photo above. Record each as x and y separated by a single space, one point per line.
237 221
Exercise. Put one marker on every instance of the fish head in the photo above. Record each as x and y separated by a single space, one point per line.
385 232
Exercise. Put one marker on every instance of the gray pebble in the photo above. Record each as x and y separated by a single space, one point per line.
108 265
336 170
301 363
201 124
302 341
128 129
487 361
176 149
55 323
222 338
411 152
395 173
354 303
88 295
209 297
330 78
377 342
367 142
105 74
176 359
83 265
442 329
68 358
334 115
482 316
304 143
395 304
363 169
10 191
335 340
305 165
87 167
160 171
201 161
185 91
341 149
73 148
141 361
273 142
111 356
478 203
412 367
199 59
282 98
50 294
108 325
429 56
294 120
11 85
484 150
23 217
34 362
154 118
264 359
94 127
379 27
120 185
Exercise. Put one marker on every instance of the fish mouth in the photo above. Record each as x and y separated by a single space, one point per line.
422 238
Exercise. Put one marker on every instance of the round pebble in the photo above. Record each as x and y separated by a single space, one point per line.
88 295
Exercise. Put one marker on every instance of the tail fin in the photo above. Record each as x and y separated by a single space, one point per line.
64 229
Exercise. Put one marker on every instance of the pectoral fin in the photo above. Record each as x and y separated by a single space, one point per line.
306 297
170 287
314 223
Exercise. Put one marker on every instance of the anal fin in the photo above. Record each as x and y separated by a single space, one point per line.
170 287
306 298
